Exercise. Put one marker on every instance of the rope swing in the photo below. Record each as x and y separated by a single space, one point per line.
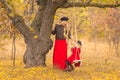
75 50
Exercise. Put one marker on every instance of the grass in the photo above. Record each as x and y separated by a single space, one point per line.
96 65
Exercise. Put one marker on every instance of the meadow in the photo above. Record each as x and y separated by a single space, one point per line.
98 63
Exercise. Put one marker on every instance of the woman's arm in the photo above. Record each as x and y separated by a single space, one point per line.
69 35
54 31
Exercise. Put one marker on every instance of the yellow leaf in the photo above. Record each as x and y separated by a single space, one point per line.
12 14
35 36
55 17
31 29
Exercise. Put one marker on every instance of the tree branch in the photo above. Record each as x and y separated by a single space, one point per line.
47 20
77 4
19 23
36 24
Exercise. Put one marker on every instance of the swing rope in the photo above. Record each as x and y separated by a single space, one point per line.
76 35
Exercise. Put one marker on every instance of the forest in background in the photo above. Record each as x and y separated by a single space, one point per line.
93 24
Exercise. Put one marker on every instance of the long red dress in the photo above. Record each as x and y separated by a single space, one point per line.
75 56
60 47
60 54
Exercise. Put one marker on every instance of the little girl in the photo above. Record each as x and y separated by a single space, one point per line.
74 57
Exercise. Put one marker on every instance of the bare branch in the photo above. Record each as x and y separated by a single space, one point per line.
47 20
19 23
36 24
77 4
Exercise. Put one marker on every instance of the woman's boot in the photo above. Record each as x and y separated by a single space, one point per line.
69 66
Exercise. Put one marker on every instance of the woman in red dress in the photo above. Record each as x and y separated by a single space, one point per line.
60 46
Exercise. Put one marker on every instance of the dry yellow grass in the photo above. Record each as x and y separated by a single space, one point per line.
96 65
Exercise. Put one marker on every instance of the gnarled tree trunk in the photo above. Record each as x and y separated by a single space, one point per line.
38 42
37 48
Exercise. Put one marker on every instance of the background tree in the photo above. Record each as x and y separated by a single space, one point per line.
105 25
37 36
114 28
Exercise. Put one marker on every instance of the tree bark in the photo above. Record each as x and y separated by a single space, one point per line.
36 24
36 49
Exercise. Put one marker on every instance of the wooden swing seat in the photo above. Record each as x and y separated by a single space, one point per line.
76 61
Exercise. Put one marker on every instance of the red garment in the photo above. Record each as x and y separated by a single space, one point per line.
60 54
75 56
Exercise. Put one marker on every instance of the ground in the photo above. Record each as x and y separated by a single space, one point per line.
97 64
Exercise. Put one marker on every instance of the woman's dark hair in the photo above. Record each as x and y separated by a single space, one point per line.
64 19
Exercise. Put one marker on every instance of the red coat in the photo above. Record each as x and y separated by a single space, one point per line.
75 56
